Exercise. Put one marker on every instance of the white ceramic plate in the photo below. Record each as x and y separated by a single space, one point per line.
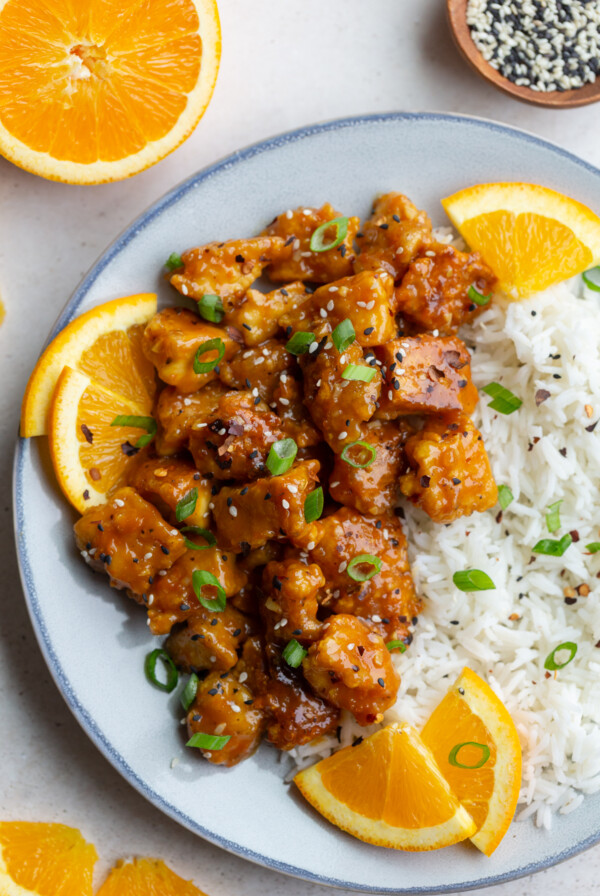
95 640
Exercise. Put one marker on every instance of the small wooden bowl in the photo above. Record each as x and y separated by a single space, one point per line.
555 99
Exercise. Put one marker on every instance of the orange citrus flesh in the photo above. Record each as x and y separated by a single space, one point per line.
87 451
471 713
145 877
97 90
105 344
532 237
387 791
44 860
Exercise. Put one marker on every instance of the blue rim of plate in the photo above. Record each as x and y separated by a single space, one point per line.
62 681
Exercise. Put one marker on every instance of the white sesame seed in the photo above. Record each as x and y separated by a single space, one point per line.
148 555
187 402
162 572
313 347
85 555
330 305
184 289
328 345
333 484
255 392
242 677
370 305
318 384
311 545
285 504
296 244
222 431
150 600
351 646
233 511
333 289
211 505
376 618
283 622
119 502
323 313
343 435
342 566
284 401
436 333
235 707
390 394
220 728
289 214
292 488
213 659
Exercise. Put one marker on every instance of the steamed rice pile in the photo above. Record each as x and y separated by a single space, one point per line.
544 453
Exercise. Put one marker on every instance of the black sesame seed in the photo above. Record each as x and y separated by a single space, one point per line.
165 549
381 682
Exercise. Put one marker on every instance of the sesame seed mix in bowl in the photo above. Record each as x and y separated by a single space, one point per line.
546 351
545 45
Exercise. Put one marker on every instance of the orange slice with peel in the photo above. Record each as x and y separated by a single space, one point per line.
97 90
145 877
388 791
472 715
531 236
38 859
104 343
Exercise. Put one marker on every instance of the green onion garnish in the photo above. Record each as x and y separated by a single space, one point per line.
366 447
396 645
208 741
313 505
553 516
147 423
318 239
593 547
187 505
472 580
188 695
552 547
343 336
204 533
213 345
590 283
173 262
485 754
294 653
478 297
211 308
300 342
361 575
201 579
550 661
504 401
150 669
281 456
505 496
358 372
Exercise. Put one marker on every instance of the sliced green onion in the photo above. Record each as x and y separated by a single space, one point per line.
204 533
343 336
593 547
318 241
472 580
396 645
360 560
478 297
505 496
552 547
300 342
485 754
550 661
211 308
208 741
147 423
358 372
201 579
294 653
590 283
504 401
188 695
313 505
187 505
173 262
213 345
553 516
364 445
150 669
281 456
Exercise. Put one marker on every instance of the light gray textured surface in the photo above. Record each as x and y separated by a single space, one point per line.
275 75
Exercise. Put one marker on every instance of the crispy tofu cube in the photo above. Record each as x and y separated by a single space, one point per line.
396 232
128 539
291 590
257 369
257 315
165 481
209 640
364 299
176 412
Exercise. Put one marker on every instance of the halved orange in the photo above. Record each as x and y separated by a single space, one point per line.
484 773
97 90
89 454
44 860
145 877
387 790
531 236
104 343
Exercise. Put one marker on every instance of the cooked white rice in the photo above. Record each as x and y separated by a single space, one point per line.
552 342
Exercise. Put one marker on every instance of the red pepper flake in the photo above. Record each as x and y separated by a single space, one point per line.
574 535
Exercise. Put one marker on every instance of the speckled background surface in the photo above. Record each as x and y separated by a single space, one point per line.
283 66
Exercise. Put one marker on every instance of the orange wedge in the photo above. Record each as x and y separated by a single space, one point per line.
388 791
98 90
104 343
146 877
531 236
44 860
471 714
